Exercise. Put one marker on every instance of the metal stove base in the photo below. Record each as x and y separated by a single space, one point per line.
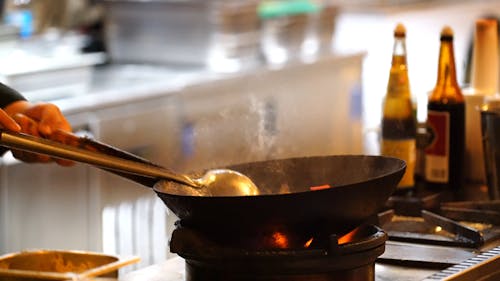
362 273
174 270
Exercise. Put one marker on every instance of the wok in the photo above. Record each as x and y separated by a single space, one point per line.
357 188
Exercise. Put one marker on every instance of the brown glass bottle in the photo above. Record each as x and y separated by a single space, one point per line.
398 118
445 154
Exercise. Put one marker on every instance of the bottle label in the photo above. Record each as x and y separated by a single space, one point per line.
437 152
404 149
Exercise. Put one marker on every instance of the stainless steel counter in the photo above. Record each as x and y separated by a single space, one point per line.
119 84
115 84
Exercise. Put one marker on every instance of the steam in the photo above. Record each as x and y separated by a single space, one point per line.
251 126
266 133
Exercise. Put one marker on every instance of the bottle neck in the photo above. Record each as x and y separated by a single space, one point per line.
399 84
399 48
446 68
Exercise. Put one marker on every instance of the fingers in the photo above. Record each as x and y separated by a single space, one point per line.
50 121
41 120
30 127
8 123
49 118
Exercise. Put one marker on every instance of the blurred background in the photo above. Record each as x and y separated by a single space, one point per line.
192 84
224 36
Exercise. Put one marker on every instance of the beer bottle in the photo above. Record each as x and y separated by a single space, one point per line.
444 155
398 118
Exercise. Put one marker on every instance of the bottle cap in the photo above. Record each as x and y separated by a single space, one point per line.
446 32
400 30
486 23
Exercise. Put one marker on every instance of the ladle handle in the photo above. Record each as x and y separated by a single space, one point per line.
90 144
58 150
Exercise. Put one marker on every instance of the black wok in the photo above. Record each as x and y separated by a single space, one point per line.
358 187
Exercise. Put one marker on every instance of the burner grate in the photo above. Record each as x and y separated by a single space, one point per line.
424 219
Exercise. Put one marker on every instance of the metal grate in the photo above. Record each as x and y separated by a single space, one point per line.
476 268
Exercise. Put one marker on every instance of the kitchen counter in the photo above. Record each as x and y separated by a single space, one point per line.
171 270
112 85
115 84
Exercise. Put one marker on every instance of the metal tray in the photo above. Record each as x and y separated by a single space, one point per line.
60 265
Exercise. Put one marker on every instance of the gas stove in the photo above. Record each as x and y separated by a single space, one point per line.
281 257
425 237
441 236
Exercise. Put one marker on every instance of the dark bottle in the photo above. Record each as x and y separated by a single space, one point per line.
398 118
444 156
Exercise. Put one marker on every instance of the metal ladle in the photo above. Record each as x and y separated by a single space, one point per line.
217 182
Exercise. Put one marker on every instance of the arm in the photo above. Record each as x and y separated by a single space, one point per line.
8 96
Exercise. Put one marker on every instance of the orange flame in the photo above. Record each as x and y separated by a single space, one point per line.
280 240
319 187
308 243
349 237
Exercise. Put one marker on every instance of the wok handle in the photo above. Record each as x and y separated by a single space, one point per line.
59 150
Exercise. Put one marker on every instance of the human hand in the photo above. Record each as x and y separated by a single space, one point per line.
38 119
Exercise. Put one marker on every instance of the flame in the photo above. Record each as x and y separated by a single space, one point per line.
319 187
280 240
349 237
308 243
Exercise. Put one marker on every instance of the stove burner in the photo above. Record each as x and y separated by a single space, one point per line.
331 260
